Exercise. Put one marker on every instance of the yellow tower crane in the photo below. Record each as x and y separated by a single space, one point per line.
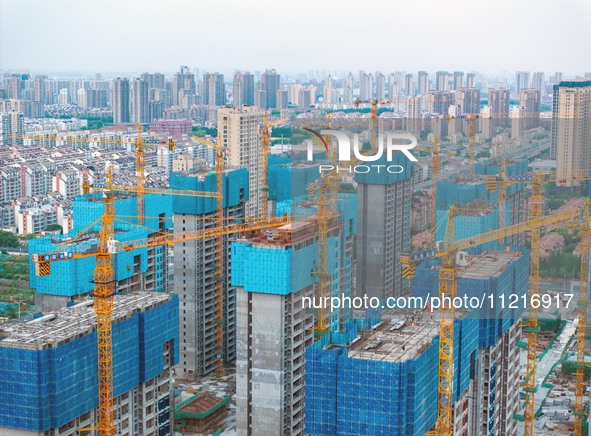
374 118
434 175
104 289
140 169
105 281
448 286
581 366
266 142
532 327
219 246
325 190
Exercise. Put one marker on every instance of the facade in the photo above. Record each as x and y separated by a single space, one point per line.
139 102
270 83
120 101
498 101
423 83
172 127
243 89
214 89
384 230
571 131
529 101
48 369
379 376
138 269
521 80
195 270
11 128
469 100
270 387
240 130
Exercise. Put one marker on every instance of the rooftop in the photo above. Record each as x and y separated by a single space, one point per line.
67 324
489 264
398 337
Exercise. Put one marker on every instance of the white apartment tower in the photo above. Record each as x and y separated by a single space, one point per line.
571 134
240 132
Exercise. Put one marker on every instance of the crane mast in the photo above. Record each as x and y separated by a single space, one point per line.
581 366
104 289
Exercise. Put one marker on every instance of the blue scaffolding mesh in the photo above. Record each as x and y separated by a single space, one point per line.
74 277
235 189
42 389
493 321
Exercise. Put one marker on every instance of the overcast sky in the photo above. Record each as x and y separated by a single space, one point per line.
130 36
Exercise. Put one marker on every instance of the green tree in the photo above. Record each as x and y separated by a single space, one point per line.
8 239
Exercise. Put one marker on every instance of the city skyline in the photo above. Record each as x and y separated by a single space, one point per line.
196 35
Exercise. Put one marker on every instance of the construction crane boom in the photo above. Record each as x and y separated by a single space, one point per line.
158 191
448 286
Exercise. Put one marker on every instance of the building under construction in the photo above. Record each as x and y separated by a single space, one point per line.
49 368
380 377
275 274
143 268
195 268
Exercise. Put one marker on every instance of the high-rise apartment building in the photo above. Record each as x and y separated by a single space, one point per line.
383 230
11 128
380 86
498 100
365 86
243 89
571 131
458 80
438 102
120 100
537 82
48 369
423 83
394 85
409 85
240 130
214 89
195 270
184 79
469 100
529 101
275 274
413 113
270 83
521 80
471 80
139 103
442 81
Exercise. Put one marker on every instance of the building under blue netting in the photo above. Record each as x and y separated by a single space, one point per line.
380 378
48 366
493 274
71 278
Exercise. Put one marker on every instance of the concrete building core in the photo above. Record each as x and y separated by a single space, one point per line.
275 275
383 229
195 269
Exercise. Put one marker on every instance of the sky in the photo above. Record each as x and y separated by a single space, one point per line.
132 36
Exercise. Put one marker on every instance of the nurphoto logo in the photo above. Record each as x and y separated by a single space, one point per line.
390 142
